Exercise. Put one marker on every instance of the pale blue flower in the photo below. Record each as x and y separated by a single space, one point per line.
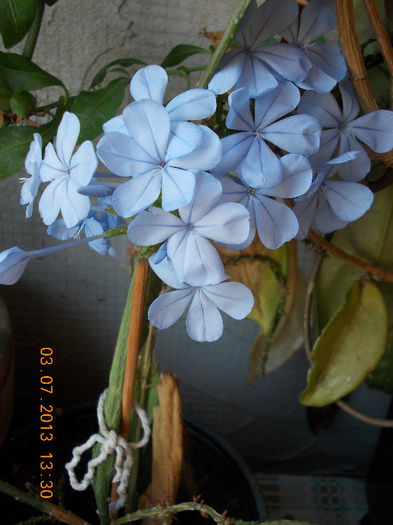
159 157
330 204
98 222
32 165
328 63
274 222
257 67
66 173
150 83
248 153
194 258
343 129
204 321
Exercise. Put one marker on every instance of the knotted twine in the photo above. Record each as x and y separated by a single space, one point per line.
111 443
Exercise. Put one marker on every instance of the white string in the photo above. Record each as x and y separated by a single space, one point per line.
111 443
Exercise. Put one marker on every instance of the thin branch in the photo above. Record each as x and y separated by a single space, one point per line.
381 34
64 516
376 272
386 423
134 340
173 509
346 26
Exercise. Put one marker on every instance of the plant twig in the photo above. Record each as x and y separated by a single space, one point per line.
237 16
376 272
380 32
382 36
64 516
386 423
173 509
346 26
32 36
134 339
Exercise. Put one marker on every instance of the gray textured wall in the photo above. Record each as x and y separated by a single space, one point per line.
73 301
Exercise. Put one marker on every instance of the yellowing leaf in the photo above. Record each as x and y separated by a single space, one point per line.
349 347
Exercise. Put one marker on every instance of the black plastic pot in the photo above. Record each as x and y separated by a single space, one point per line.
219 476
212 470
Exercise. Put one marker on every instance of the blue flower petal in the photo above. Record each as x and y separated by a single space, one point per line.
275 104
83 164
374 129
137 194
148 123
204 321
169 307
322 106
194 104
149 83
230 70
177 187
239 114
276 223
235 148
348 200
12 265
66 137
296 134
235 299
357 168
153 226
288 61
261 168
297 178
122 155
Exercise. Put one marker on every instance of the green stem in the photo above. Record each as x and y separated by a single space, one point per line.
199 507
63 516
237 16
32 35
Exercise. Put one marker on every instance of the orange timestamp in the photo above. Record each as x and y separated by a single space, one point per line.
46 422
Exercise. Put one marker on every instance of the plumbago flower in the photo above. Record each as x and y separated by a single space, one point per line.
341 127
330 204
328 64
66 174
150 83
159 157
261 67
97 222
273 220
204 321
194 259
248 153
32 165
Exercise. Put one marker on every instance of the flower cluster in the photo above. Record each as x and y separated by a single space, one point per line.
179 186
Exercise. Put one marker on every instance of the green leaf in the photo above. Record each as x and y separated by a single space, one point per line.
349 347
14 145
371 239
15 142
180 52
124 62
382 376
5 95
22 104
18 73
16 17
94 108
